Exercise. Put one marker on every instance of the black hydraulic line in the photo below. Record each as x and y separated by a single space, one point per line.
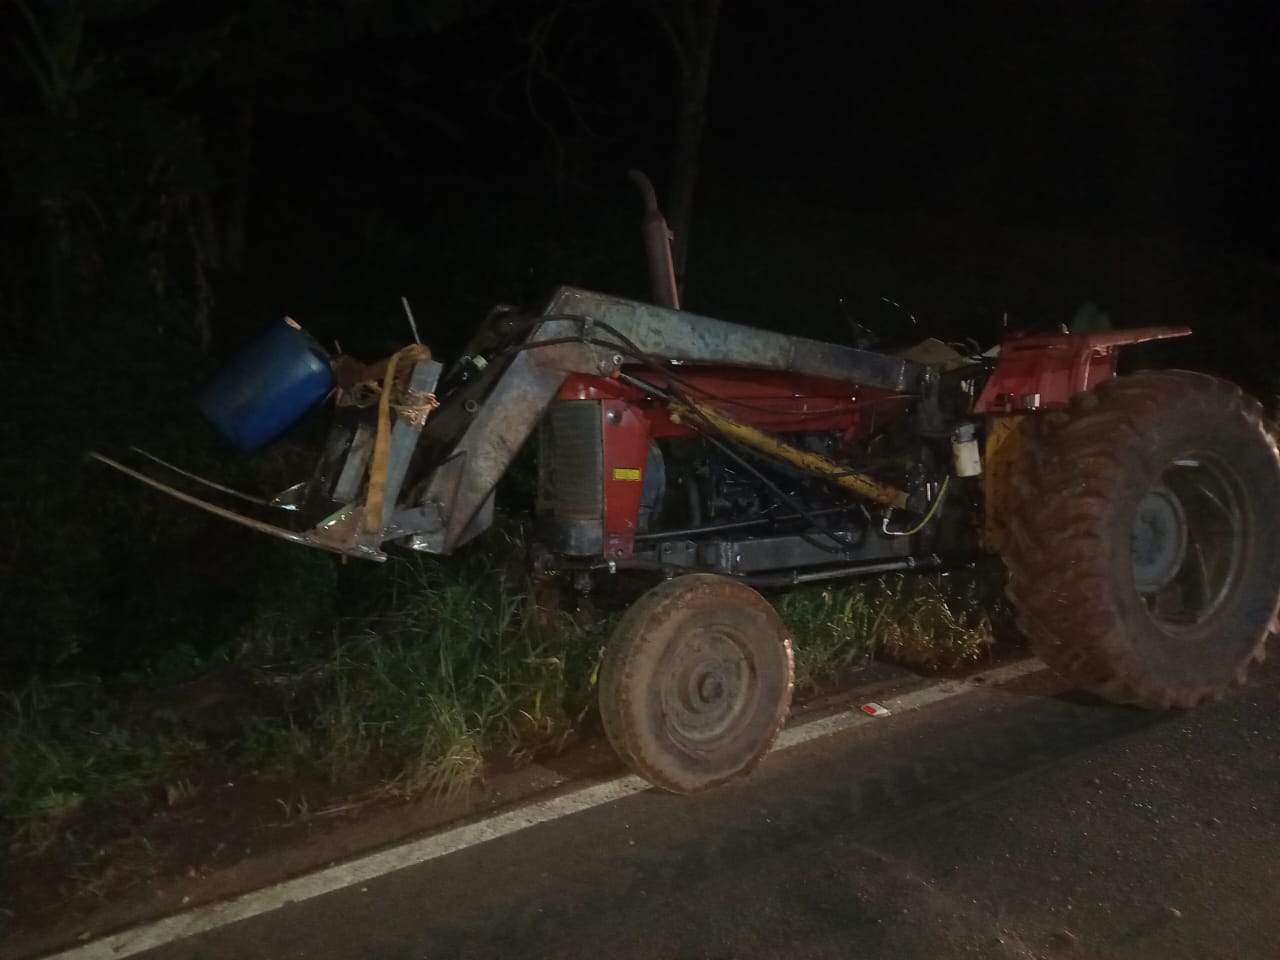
630 349
693 500
710 432
709 429
793 577
737 525
928 562
838 538
639 354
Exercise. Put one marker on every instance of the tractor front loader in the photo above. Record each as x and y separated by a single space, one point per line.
1136 514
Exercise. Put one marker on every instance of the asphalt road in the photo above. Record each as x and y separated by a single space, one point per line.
1022 822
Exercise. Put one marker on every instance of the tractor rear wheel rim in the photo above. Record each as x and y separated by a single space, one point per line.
1188 541
1159 541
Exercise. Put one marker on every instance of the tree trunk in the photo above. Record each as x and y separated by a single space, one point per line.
239 204
695 59
203 306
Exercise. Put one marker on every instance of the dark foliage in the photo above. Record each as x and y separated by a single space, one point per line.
176 175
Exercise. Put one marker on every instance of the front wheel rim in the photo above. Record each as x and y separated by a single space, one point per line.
709 687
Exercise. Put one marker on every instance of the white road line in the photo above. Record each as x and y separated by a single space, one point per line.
923 697
199 920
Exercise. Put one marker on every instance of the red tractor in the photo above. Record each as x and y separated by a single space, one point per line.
1136 514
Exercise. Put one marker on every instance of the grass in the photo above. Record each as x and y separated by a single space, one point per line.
68 745
926 621
462 663
456 663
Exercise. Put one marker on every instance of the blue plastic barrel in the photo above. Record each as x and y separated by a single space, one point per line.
268 387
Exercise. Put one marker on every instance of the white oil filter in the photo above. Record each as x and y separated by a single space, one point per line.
964 450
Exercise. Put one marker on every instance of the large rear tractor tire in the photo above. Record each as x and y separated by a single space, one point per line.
696 682
1144 547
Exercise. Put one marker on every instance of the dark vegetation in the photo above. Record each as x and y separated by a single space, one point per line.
175 176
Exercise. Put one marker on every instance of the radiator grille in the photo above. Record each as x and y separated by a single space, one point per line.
570 458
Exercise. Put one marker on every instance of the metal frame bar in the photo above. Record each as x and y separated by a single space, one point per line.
211 484
306 539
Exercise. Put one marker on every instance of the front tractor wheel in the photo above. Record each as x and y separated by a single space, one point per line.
696 682
1144 550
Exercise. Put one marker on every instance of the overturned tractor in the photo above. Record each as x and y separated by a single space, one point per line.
1136 514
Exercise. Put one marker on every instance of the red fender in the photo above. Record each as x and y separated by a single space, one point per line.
1045 371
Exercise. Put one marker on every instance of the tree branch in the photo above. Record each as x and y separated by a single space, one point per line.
673 35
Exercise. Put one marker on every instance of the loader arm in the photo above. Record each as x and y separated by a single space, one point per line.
472 441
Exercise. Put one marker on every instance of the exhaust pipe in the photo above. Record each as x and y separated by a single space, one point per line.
657 246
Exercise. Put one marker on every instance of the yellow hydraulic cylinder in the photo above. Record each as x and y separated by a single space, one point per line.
856 483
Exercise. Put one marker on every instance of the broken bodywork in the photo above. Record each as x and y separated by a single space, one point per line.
416 451
1133 512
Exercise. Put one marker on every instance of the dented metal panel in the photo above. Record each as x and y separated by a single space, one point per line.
690 338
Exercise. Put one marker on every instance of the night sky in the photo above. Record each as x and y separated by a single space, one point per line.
470 152
1086 113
